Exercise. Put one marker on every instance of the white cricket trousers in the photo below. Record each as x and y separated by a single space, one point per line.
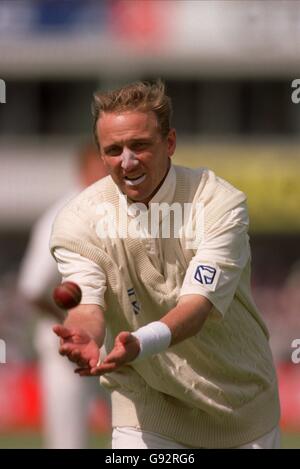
133 438
65 396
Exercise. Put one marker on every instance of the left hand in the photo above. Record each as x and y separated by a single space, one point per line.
126 349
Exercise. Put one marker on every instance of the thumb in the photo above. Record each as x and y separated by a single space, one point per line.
125 337
62 331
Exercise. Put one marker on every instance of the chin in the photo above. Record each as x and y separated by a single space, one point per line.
136 196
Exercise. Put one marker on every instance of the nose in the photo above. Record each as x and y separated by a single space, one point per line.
129 160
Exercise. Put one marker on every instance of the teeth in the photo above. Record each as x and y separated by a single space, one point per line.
135 182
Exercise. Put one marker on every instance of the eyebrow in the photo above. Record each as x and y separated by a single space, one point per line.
113 145
133 140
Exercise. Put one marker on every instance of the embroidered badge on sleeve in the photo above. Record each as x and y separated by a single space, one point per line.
206 275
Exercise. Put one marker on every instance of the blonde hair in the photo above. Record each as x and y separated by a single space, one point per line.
139 96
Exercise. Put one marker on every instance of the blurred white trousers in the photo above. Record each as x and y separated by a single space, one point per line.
65 396
132 438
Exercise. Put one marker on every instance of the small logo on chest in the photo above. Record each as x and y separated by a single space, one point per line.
133 300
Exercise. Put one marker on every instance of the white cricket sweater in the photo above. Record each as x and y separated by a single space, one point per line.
216 389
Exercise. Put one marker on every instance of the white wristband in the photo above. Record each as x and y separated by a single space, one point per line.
154 338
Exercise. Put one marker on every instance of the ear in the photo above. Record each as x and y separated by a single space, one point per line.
171 142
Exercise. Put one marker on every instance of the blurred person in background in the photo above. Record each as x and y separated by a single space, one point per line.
65 397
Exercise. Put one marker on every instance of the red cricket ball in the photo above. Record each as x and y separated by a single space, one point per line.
67 295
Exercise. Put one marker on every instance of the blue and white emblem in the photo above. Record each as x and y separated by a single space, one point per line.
133 300
205 274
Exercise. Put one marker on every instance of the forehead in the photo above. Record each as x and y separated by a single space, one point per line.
126 125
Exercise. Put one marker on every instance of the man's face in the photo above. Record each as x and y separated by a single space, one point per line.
135 154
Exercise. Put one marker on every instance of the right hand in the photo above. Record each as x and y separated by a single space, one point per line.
78 346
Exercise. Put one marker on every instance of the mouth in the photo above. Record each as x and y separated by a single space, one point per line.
129 181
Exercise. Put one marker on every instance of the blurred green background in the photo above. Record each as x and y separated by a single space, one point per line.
32 440
267 173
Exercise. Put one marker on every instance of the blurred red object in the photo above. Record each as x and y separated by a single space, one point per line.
21 401
289 391
144 24
20 397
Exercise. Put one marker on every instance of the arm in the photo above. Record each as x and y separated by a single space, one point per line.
187 318
83 331
183 321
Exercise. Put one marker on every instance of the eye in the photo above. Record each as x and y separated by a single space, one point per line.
139 146
113 151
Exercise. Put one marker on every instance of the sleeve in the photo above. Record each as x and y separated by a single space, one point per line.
86 273
216 268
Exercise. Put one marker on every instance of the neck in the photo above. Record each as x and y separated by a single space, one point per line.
146 201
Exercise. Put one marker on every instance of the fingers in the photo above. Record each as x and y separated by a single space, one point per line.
106 367
93 363
95 368
66 349
83 371
73 354
87 357
77 358
95 371
62 331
